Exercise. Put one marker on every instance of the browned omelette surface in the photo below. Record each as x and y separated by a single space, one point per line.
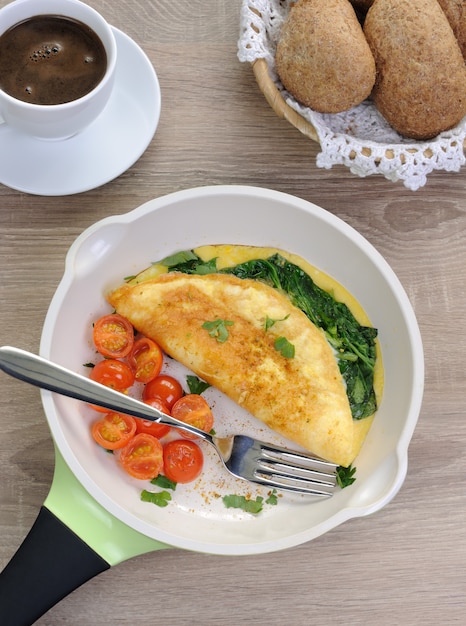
303 397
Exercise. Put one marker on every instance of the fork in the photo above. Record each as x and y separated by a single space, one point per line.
244 457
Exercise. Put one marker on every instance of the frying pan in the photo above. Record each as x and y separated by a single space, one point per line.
93 518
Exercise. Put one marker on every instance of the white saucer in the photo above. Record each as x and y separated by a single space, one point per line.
104 150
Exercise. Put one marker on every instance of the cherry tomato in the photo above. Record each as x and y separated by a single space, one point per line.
165 387
182 460
114 374
153 428
113 336
145 359
142 457
113 431
194 410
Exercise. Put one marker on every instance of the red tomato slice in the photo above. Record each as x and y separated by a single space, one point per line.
182 460
165 387
142 457
153 428
114 374
113 336
145 359
194 410
113 431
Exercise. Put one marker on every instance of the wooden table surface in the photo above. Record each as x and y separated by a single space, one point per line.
404 564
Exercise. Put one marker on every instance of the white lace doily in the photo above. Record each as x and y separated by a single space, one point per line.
359 138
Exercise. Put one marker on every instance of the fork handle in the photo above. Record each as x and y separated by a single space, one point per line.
42 373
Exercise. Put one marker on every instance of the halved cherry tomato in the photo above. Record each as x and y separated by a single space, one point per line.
182 460
113 336
193 409
114 374
142 457
165 387
113 431
145 359
153 428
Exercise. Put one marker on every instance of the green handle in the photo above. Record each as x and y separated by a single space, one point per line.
110 538
72 540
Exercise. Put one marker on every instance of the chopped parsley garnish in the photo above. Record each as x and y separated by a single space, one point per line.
249 505
272 498
269 322
241 502
282 345
218 329
196 385
160 498
164 482
345 476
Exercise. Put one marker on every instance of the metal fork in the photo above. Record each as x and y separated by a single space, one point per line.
243 456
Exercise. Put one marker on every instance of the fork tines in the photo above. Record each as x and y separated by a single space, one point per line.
295 471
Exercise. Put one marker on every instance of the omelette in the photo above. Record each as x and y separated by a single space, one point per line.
249 341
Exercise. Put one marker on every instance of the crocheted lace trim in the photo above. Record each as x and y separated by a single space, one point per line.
360 138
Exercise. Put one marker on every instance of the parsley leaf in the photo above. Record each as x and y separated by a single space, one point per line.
196 385
241 502
273 498
164 482
218 329
269 322
345 476
283 346
160 498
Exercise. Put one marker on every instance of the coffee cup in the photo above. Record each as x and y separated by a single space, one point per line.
57 67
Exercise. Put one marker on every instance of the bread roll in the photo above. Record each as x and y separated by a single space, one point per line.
421 76
455 10
322 57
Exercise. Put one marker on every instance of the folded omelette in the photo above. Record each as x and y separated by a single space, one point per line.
248 340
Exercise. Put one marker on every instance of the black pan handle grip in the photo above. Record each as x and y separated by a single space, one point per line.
51 562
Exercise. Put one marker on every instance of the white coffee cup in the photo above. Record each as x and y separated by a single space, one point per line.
58 121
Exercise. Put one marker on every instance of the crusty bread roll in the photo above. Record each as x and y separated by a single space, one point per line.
323 58
455 10
421 76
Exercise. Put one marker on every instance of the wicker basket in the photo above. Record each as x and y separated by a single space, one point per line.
276 101
284 111
381 153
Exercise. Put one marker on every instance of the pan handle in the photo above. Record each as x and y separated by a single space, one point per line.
73 539
51 562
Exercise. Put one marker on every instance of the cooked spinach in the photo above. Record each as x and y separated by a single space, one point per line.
354 344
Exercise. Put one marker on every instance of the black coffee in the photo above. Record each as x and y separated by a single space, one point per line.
50 59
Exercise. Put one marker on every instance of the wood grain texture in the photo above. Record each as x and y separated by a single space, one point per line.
403 565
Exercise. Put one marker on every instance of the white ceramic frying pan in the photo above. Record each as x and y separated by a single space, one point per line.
93 517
